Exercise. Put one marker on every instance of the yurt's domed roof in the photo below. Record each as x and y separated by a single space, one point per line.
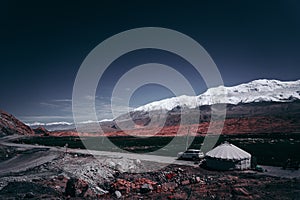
229 152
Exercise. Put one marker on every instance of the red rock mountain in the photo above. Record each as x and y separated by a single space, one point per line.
41 131
10 125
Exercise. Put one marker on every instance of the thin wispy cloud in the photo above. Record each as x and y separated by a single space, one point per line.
62 100
89 97
46 118
52 105
63 108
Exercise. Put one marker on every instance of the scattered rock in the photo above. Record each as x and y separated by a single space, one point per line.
70 187
198 179
60 177
100 191
81 187
118 194
29 195
120 167
186 182
171 186
137 162
146 188
180 170
170 175
241 191
111 164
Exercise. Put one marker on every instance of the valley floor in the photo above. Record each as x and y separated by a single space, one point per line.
40 172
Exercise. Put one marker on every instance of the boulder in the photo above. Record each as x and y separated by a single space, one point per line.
118 194
70 187
146 188
186 182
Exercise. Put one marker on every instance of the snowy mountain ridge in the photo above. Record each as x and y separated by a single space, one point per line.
255 91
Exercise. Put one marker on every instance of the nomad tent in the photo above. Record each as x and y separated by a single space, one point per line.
228 156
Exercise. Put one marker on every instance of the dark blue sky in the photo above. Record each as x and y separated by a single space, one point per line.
44 43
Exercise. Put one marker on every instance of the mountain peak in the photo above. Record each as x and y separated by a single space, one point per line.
255 91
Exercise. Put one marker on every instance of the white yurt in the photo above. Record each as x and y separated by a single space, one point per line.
228 157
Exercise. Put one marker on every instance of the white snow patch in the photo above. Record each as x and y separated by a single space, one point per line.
254 91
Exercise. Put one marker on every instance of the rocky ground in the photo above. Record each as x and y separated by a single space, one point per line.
78 176
36 172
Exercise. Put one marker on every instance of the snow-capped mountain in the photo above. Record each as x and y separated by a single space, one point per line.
256 91
53 126
261 90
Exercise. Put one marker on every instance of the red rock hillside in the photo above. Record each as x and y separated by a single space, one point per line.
10 125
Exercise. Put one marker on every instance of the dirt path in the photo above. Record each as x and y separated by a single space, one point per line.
279 172
26 161
20 161
42 156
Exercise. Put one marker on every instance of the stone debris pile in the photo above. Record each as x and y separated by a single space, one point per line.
167 181
84 177
141 184
175 182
